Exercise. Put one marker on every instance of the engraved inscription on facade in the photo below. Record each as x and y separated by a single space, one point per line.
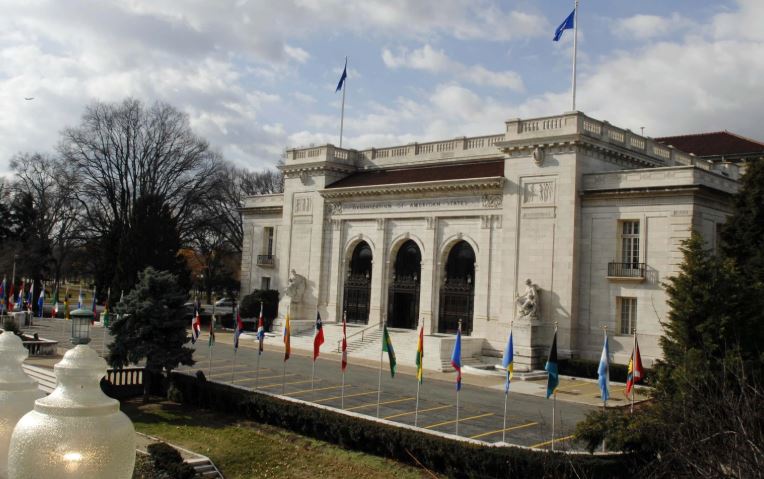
538 193
303 206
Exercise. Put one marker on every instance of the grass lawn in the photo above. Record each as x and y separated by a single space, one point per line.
244 449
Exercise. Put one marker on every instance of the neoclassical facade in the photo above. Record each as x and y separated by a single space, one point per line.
560 221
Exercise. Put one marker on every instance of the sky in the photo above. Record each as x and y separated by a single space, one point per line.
256 77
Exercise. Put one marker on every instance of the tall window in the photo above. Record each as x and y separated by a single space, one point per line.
268 240
630 243
627 315
265 283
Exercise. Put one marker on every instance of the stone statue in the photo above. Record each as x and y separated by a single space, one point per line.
528 302
296 287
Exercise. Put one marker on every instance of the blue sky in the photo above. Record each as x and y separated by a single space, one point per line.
256 77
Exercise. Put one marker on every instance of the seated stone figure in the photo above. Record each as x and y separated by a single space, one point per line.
528 302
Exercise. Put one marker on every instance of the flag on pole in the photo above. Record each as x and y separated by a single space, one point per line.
456 358
55 303
211 341
239 329
41 301
196 327
287 337
3 287
635 372
66 304
260 331
566 24
508 362
420 356
387 347
30 298
603 371
93 307
80 299
551 367
344 344
20 300
319 339
105 318
11 298
343 77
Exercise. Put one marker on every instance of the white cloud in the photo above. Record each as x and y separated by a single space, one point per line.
296 53
643 27
436 61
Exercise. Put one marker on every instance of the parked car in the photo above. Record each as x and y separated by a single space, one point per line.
224 303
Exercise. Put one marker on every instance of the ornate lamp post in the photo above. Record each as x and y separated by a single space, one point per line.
77 431
17 392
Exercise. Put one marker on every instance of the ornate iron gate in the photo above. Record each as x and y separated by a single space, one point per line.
456 302
403 298
357 297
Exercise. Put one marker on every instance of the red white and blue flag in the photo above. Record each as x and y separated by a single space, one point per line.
239 329
344 344
319 339
196 327
456 358
260 330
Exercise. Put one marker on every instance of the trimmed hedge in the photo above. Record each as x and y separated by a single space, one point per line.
453 458
584 368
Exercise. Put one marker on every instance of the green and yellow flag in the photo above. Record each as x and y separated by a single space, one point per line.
387 347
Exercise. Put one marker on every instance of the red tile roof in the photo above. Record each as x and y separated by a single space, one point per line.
418 174
718 143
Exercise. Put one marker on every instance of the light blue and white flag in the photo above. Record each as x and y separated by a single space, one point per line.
603 372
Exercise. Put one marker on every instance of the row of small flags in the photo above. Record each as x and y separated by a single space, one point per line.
11 300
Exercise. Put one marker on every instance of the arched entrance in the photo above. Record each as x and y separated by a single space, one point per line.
457 293
357 294
403 293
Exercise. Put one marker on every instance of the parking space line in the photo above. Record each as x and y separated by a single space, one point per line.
502 430
312 390
264 377
374 404
346 396
413 412
559 439
460 420
275 385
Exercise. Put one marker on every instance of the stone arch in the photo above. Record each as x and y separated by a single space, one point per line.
457 285
404 279
357 274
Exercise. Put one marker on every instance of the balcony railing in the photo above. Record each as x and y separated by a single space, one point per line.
265 260
626 270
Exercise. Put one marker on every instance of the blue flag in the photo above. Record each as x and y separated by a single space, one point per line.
456 359
342 78
551 367
603 371
508 363
567 24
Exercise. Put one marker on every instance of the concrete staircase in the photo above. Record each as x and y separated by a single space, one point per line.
204 467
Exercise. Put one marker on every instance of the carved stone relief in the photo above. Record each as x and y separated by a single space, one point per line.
492 201
538 193
538 156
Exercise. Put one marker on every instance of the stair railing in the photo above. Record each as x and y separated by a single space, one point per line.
361 332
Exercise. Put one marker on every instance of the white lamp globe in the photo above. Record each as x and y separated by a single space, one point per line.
77 431
18 392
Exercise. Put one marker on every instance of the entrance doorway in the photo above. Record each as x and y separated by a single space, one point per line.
457 293
357 293
403 293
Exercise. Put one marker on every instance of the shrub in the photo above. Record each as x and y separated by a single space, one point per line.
250 305
450 457
168 460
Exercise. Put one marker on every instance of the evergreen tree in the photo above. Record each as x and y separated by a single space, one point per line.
743 234
149 325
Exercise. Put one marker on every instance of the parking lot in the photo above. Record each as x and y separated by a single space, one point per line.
529 417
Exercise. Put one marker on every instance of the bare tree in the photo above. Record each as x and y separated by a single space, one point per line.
49 187
125 151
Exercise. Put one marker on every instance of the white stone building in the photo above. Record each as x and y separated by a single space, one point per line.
590 213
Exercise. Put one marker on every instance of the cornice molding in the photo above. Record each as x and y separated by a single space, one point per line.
488 184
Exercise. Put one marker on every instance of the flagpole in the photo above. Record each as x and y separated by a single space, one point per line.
458 389
342 114
506 395
575 49
283 374
343 357
554 398
233 366
633 370
381 351
313 370
604 399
